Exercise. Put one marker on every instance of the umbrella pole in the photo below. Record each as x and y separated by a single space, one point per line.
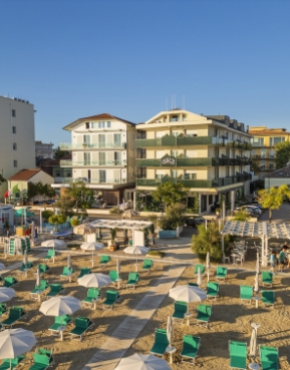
92 259
53 255
136 264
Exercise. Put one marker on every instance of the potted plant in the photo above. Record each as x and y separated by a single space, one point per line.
112 246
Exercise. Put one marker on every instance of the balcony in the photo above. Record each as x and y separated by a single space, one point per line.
168 141
169 161
67 180
70 163
78 146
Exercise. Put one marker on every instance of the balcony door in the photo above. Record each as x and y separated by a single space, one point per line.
86 140
117 140
102 158
117 158
87 158
102 176
102 141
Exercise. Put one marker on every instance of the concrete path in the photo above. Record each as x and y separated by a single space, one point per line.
111 352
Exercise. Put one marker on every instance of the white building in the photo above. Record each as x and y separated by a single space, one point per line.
44 150
17 140
103 156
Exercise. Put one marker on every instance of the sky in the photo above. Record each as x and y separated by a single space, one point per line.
135 58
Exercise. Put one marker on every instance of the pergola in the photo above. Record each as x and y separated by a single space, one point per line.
120 224
263 230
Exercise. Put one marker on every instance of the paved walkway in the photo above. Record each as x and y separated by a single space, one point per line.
108 356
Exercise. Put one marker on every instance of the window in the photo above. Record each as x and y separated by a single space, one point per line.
13 129
87 158
14 146
102 158
13 113
258 141
108 124
271 166
87 125
86 141
101 124
117 140
276 140
102 174
117 158
102 141
15 163
272 153
263 153
174 118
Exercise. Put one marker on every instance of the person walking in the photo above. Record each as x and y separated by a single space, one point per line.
282 260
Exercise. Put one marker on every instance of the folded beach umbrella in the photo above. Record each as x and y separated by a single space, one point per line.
94 280
258 264
199 277
142 362
6 294
118 267
25 258
92 247
207 264
169 330
256 287
59 306
38 277
69 266
137 251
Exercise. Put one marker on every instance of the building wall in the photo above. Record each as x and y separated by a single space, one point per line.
24 138
39 177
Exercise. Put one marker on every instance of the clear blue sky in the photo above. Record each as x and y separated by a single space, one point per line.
127 57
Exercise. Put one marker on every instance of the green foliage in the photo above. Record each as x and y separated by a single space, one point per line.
154 220
74 221
156 253
113 233
174 217
58 154
115 211
273 198
73 246
209 240
65 205
282 154
169 193
241 215
39 189
196 203
2 180
80 196
47 214
57 219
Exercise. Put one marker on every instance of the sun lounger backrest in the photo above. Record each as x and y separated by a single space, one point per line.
238 349
44 351
15 312
246 289
212 287
269 354
221 270
205 309
41 359
147 263
133 276
191 341
267 276
197 267
81 322
55 287
112 295
93 293
113 275
161 336
180 306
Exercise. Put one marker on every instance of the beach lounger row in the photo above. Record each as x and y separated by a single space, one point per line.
82 324
42 359
221 272
204 313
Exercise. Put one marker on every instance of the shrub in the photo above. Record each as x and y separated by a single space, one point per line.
241 215
115 210
75 246
173 217
74 221
47 214
156 253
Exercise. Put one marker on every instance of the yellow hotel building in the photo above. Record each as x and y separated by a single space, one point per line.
263 148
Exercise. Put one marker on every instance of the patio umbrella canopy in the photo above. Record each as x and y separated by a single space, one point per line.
53 243
137 251
92 247
142 362
58 306
6 294
23 212
15 342
187 293
94 280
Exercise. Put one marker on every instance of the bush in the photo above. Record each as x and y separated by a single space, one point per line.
173 217
73 246
74 221
115 210
57 219
156 253
47 214
241 215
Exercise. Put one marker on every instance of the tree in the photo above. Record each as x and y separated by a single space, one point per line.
57 220
58 154
65 205
46 214
173 217
282 154
81 196
169 193
273 198
241 215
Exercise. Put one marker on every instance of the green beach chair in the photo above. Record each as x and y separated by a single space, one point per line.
50 254
15 314
39 289
63 320
114 276
42 268
212 290
3 308
221 272
111 298
160 342
14 362
268 297
41 362
238 355
267 278
203 314
190 347
105 259
25 267
93 295
246 293
84 271
197 267
133 279
82 324
269 357
10 281
147 265
67 272
180 309
55 289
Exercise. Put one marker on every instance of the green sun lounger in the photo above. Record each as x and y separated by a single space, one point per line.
93 295
212 290
221 272
111 298
267 278
193 284
268 297
105 259
14 362
67 272
114 276
269 357
82 324
197 267
84 271
50 254
203 314
15 314
55 289
39 289
160 342
238 355
133 279
63 320
190 348
10 281
3 308
25 267
180 309
41 362
246 293
147 265
42 268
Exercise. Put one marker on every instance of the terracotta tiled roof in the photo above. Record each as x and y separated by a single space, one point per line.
24 175
97 117
269 132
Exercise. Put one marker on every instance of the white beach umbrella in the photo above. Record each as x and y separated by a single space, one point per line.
38 277
6 294
92 247
137 251
199 277
15 342
94 280
69 266
187 293
258 264
256 287
58 306
253 342
142 362
207 264
53 243
169 330
25 258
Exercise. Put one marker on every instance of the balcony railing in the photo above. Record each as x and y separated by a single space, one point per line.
169 140
191 162
195 183
67 180
73 146
69 163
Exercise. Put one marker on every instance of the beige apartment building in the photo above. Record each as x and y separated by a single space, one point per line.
208 154
17 138
103 156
